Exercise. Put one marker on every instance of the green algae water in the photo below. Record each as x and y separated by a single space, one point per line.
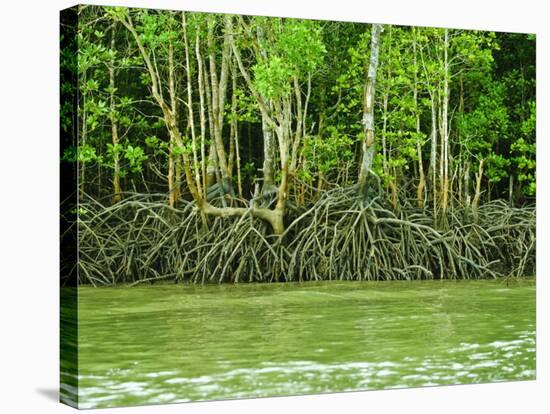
175 343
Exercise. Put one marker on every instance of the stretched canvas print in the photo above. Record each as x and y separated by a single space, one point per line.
261 206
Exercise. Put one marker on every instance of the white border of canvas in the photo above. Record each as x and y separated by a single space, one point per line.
29 206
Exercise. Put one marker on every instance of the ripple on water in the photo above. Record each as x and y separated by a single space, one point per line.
237 343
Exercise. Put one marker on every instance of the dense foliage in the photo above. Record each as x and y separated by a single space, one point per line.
236 116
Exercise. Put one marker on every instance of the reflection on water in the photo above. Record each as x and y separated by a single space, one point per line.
173 343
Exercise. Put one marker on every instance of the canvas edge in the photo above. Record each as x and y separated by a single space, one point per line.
68 202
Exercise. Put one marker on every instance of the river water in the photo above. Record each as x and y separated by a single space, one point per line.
175 343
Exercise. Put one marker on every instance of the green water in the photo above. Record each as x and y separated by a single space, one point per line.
173 343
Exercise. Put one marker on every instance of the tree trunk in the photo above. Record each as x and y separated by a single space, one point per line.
176 168
200 72
218 90
420 189
212 168
445 126
421 178
273 217
191 118
81 165
268 167
433 153
269 154
467 198
300 121
170 177
477 195
238 160
117 192
368 111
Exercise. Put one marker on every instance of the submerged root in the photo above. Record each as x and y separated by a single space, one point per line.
340 237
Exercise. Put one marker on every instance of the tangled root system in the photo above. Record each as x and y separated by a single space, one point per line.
340 237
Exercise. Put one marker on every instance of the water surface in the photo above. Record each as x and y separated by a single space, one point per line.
174 343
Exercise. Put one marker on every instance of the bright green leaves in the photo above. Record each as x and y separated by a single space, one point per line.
246 109
296 49
89 54
529 125
95 112
82 153
152 142
273 78
179 150
91 85
135 156
488 122
472 50
116 12
301 45
497 167
522 147
487 89
524 156
114 150
328 152
157 29
526 152
156 147
93 49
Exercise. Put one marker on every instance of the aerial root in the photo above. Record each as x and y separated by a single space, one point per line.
340 237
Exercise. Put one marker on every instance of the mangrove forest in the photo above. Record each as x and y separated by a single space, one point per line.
210 148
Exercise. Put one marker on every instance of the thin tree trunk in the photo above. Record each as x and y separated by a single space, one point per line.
459 180
212 168
433 153
282 128
238 161
268 168
273 217
368 111
191 118
467 184
176 185
218 89
117 192
298 133
81 165
268 124
170 177
169 112
451 186
385 153
477 195
202 113
421 179
269 153
232 125
234 137
445 125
